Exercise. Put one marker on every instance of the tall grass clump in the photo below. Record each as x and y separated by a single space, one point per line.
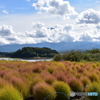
43 91
62 89
8 92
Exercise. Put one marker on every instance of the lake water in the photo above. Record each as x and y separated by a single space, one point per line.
29 60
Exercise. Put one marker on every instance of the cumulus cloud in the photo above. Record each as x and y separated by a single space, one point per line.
6 30
98 26
89 16
41 33
39 30
37 25
55 7
68 27
3 41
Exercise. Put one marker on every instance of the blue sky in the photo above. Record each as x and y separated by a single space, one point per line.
25 7
31 21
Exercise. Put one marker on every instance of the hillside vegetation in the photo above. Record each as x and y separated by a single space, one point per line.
30 52
20 80
88 55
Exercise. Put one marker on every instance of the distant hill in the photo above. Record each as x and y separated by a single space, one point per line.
60 47
30 52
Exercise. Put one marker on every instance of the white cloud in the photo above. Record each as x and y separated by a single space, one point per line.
68 27
98 26
41 33
89 35
37 25
55 7
3 41
4 11
89 16
39 30
6 30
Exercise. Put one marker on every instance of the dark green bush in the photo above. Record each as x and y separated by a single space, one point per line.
57 57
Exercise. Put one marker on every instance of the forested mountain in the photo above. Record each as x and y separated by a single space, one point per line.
28 52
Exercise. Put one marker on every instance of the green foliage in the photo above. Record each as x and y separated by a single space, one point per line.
73 56
57 57
42 91
28 52
88 55
8 92
5 54
62 89
93 51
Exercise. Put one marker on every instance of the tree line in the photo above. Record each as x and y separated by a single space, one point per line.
79 55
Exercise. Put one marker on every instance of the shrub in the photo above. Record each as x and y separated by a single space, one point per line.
93 77
20 85
35 81
95 87
85 80
3 82
49 79
61 76
10 93
37 69
75 84
57 57
62 89
42 91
